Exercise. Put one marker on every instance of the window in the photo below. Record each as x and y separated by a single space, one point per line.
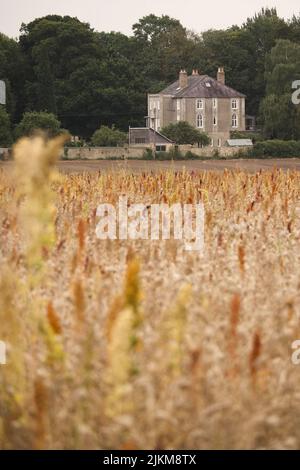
219 142
199 104
200 121
215 120
161 148
207 84
215 103
234 104
234 120
178 110
139 140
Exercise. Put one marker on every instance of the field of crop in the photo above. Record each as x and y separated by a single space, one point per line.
140 344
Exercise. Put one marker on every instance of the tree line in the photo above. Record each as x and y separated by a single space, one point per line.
86 78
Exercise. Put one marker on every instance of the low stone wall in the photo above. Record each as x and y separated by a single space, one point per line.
94 153
97 153
212 151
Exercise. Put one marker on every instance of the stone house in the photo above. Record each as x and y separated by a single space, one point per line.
204 102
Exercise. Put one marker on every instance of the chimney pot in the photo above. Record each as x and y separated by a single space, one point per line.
183 79
221 75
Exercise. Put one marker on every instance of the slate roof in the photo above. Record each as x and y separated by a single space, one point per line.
149 134
201 86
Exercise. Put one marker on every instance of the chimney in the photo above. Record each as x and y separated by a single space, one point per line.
183 79
221 75
195 72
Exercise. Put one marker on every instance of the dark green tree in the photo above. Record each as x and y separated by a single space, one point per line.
280 117
184 133
109 137
5 128
162 49
86 78
36 121
13 71
261 33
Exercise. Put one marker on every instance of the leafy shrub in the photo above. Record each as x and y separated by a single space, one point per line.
75 144
190 155
254 136
276 148
109 137
33 121
184 133
163 156
175 153
148 154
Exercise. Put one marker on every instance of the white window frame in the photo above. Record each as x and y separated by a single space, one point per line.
200 120
215 103
234 104
178 109
234 121
199 103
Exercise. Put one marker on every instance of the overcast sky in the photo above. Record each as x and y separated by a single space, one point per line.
119 15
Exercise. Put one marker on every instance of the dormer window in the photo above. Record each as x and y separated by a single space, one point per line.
199 104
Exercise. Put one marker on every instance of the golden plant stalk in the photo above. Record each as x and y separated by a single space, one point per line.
123 325
140 365
41 413
176 323
13 375
35 159
235 307
254 357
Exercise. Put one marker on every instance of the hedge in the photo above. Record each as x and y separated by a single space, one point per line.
276 148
